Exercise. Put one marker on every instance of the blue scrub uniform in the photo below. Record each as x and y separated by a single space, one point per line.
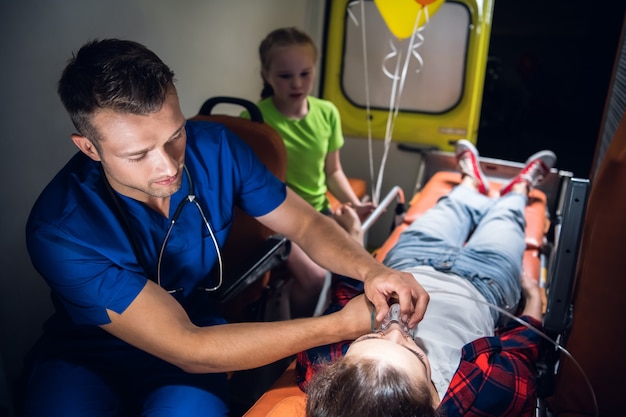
77 241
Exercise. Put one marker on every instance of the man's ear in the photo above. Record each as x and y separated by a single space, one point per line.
86 146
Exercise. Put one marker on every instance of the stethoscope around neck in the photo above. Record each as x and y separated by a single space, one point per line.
190 198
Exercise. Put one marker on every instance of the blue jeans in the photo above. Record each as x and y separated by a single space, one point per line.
491 259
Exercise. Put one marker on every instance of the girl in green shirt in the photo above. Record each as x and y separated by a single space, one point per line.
311 130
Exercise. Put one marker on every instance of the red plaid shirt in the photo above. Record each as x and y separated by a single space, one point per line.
496 376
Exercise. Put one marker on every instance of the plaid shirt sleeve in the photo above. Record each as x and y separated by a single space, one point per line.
496 376
307 362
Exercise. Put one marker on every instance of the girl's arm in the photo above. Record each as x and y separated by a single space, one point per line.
339 186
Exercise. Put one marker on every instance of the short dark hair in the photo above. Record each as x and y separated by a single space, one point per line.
281 37
365 387
114 74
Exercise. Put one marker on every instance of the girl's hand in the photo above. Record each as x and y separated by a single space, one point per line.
348 218
363 210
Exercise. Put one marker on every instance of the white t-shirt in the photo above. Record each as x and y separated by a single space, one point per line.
450 322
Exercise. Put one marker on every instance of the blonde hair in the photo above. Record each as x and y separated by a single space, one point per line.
280 37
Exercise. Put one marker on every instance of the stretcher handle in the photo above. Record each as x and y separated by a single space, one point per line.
378 211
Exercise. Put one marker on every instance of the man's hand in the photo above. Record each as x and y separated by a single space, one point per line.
356 316
400 286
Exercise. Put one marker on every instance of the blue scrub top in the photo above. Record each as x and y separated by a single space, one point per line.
78 244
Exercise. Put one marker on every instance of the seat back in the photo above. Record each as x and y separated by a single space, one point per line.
247 236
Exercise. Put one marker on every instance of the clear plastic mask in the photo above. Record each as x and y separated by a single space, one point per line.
393 316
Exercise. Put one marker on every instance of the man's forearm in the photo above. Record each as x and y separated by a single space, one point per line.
157 324
321 238
340 254
249 345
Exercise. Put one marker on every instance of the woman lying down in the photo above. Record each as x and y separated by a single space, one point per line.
453 363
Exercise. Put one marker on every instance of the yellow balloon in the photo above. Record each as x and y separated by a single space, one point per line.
400 15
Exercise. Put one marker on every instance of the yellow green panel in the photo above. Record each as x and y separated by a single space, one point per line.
439 127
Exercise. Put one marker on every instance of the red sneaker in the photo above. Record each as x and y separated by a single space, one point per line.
467 158
537 167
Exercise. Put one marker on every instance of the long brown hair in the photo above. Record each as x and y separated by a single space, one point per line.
367 388
280 37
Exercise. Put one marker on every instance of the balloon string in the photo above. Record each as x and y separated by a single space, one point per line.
398 83
367 99
349 11
390 121
368 117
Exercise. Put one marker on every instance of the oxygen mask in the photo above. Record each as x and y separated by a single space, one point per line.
393 316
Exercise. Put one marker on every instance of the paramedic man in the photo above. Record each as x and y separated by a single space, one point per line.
118 342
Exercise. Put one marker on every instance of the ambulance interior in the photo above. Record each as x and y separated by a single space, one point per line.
425 100
407 91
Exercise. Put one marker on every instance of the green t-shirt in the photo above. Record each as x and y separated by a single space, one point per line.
307 141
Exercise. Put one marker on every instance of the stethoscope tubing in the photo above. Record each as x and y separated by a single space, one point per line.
191 198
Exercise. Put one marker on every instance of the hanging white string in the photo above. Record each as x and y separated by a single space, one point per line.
390 116
366 87
350 14
368 113
398 82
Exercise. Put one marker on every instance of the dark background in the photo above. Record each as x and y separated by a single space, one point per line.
548 75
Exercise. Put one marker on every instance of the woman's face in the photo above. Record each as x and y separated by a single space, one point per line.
394 347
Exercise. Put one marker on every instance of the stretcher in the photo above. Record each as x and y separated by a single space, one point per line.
566 217
554 208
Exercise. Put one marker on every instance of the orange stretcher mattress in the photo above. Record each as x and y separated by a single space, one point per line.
285 399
